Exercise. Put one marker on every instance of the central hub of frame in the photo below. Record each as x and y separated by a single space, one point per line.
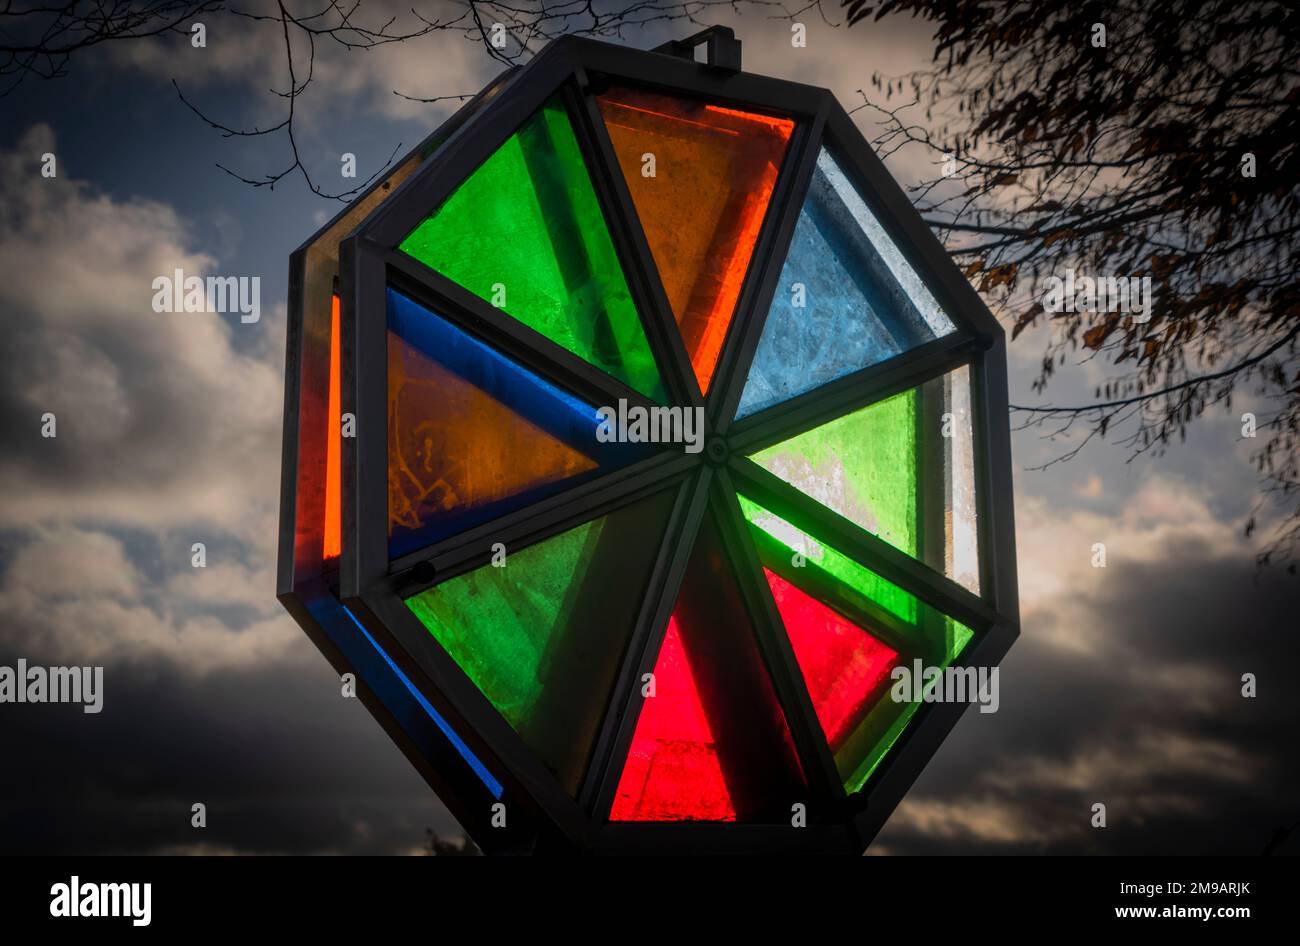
716 451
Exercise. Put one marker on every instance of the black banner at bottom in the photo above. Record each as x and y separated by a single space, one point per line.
137 896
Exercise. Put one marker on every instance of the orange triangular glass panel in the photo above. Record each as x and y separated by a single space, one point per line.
435 410
712 743
701 177
473 435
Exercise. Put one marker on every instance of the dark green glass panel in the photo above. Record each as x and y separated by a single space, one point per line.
543 636
525 232
901 620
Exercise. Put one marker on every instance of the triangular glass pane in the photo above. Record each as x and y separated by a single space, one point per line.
858 712
525 232
543 637
847 298
844 667
701 177
712 743
472 434
902 468
673 771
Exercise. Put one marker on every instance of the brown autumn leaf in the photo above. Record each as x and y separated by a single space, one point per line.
999 276
1027 318
1095 337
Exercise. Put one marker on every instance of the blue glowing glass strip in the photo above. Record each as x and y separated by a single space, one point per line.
555 411
467 754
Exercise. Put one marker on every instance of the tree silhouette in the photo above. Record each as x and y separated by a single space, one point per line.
1130 139
37 40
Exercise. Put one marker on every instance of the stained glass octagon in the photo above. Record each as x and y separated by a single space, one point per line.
683 643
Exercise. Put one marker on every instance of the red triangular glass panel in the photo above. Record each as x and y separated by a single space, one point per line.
712 743
844 667
673 757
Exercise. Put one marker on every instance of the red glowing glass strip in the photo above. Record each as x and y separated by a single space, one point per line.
333 543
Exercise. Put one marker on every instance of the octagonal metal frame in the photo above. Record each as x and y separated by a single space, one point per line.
464 748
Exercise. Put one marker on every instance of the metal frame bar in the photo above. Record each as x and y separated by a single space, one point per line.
643 651
664 72
631 244
774 642
847 394
296 318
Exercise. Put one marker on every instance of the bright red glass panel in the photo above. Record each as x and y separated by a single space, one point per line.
844 667
672 770
712 744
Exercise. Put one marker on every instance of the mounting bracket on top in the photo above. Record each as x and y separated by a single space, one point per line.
722 49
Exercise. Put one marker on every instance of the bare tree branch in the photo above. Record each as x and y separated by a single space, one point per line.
1166 149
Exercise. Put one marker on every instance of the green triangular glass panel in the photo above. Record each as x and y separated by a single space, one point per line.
543 636
525 232
903 469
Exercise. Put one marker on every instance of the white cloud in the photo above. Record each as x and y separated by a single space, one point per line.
65 559
253 54
984 819
224 583
1054 543
86 630
165 425
1147 755
161 418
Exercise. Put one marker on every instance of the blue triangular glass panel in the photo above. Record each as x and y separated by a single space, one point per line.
847 298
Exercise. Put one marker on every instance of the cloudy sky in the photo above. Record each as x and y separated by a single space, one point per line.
1124 687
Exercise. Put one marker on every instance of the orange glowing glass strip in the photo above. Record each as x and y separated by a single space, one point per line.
782 126
334 444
